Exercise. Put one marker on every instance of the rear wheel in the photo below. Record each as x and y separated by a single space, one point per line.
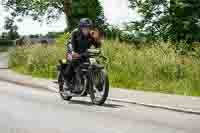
99 88
61 83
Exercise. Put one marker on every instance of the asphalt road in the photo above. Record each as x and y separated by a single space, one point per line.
28 110
3 60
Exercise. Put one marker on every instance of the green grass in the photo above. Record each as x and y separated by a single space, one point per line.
4 48
37 60
150 68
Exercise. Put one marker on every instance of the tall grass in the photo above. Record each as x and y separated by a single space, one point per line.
36 60
150 68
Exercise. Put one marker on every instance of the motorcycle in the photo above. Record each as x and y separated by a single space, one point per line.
90 78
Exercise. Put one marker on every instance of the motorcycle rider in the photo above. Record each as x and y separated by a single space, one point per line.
81 40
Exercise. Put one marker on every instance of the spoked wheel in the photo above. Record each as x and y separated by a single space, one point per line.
100 86
62 84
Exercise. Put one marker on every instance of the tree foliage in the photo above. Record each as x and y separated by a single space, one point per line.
11 27
168 19
185 17
52 9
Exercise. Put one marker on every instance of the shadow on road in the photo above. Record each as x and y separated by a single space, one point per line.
107 105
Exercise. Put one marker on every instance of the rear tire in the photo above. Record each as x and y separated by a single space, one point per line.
61 87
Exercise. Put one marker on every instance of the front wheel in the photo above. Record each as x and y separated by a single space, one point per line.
99 87
61 83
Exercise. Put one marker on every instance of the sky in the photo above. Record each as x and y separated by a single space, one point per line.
116 12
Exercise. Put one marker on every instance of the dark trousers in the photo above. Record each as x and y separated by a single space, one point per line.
69 70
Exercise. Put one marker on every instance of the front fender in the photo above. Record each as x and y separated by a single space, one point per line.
59 67
62 64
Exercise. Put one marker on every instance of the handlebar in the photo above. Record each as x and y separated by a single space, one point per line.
103 57
92 53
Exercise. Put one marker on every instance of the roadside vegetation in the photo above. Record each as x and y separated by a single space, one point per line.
155 67
3 49
5 45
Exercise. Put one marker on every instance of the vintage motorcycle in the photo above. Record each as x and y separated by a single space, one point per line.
90 78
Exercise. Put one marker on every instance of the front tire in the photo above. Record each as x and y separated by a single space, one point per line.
61 82
102 87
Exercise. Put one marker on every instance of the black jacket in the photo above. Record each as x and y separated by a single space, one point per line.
79 43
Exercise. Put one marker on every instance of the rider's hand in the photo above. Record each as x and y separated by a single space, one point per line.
75 56
95 34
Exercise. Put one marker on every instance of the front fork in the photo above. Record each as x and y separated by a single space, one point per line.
91 81
91 84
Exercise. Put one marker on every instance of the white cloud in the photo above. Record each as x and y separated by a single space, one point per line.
28 26
3 14
117 11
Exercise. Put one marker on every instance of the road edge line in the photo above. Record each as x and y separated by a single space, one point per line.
156 106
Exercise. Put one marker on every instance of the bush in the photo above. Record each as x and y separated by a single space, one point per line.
7 43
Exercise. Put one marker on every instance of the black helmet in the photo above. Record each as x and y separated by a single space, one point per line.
85 22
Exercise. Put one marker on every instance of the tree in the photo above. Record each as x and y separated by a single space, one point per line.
155 17
11 27
73 9
4 36
168 19
185 17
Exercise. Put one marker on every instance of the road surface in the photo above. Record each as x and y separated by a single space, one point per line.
28 110
3 60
